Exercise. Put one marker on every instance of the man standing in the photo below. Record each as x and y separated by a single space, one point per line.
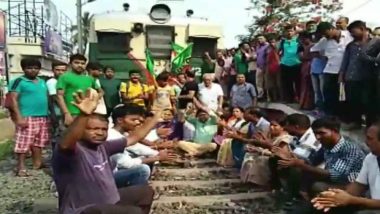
56 116
164 95
261 52
188 91
333 48
94 70
134 91
111 87
71 81
356 75
290 65
211 94
29 97
185 100
342 23
241 58
243 94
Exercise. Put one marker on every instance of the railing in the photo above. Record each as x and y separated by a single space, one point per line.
26 19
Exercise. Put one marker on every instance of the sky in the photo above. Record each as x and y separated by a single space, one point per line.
231 14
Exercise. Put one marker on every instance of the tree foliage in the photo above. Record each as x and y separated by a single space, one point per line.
86 22
269 16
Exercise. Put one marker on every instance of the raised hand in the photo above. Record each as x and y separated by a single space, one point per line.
86 103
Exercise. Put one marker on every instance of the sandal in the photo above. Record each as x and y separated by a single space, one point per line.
22 173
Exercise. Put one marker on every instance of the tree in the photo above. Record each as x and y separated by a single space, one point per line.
86 22
269 16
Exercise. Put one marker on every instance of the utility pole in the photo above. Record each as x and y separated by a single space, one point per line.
79 26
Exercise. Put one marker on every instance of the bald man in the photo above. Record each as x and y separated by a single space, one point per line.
211 94
342 23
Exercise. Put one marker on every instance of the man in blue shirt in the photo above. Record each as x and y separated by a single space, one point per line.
357 75
290 65
342 160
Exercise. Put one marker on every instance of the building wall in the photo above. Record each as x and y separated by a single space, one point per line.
19 49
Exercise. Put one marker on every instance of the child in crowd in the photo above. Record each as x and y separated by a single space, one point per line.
164 95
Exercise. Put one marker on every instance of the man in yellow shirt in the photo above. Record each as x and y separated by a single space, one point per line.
134 91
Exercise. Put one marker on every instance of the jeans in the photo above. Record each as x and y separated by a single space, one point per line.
331 94
357 95
137 175
133 200
290 80
231 82
250 77
56 131
260 82
317 81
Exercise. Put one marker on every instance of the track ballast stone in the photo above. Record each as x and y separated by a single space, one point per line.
208 190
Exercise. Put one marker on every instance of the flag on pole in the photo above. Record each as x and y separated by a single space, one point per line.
149 62
182 58
175 50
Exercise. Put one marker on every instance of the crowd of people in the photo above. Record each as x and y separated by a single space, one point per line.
108 135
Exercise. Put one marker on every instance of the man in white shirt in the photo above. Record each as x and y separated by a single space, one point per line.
132 165
55 113
332 48
351 200
211 94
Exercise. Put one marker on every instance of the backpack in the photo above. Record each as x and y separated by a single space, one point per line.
127 90
8 99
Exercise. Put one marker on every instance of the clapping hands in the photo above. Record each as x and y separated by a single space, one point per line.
332 198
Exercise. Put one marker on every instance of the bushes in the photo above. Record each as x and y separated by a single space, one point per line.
6 148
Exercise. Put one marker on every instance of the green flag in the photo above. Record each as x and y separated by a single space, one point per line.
177 48
182 58
149 62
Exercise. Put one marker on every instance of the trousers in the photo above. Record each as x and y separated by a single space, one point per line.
196 149
133 200
137 175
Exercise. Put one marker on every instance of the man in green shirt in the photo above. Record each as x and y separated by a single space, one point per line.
111 87
70 82
240 58
206 126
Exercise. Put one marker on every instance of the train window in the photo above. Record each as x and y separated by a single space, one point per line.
114 42
201 45
158 40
